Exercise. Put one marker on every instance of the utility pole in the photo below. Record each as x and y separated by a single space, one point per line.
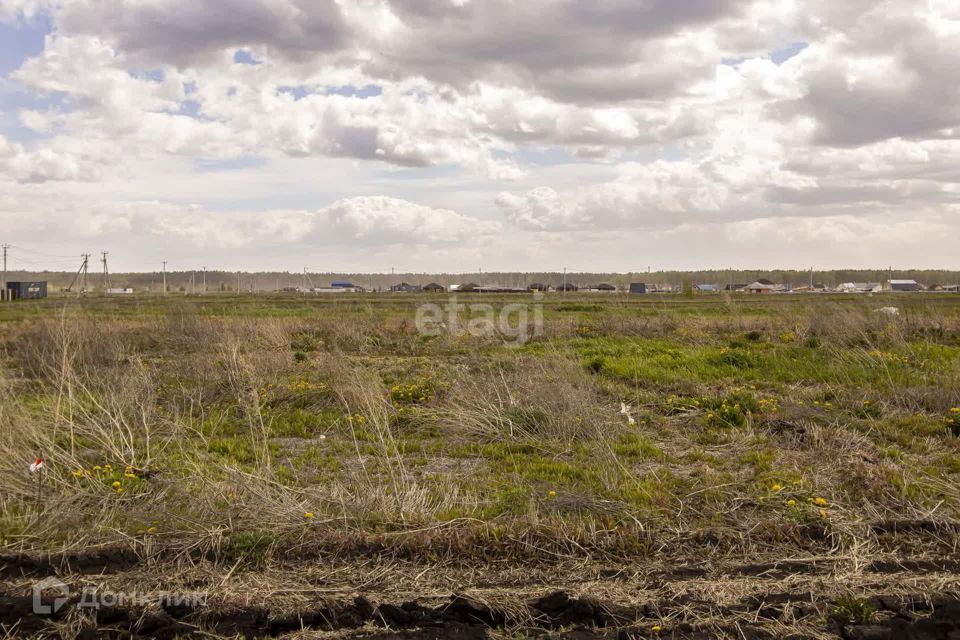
564 281
106 273
3 284
204 281
238 283
164 277
84 285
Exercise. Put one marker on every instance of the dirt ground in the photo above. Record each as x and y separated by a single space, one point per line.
907 587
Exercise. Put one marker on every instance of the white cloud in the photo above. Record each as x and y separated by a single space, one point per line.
607 117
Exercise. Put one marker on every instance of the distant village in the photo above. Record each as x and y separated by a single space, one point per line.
761 286
35 289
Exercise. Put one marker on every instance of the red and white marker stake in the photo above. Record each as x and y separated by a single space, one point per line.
37 467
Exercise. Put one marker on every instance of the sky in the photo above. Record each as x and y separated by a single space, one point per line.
503 135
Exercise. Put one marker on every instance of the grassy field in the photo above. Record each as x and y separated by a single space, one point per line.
656 466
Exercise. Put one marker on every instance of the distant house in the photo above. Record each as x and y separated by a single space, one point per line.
120 291
343 284
603 287
760 287
467 286
568 286
433 287
904 285
638 287
706 288
24 290
539 286
860 287
660 288
404 287
952 288
735 287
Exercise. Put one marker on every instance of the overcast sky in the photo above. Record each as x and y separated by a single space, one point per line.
447 135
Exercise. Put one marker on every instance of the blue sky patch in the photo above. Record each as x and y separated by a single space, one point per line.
368 91
298 92
779 56
242 56
22 40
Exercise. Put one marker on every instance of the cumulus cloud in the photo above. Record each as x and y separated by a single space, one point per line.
620 116
362 221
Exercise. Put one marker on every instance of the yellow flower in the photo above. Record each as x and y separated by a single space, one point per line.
116 484
776 487
308 515
152 530
823 513
791 503
552 494
656 628
78 473
820 502
97 467
955 410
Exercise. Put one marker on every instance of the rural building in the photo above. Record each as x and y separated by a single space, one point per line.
342 284
539 286
569 286
760 287
603 287
706 288
638 287
120 291
404 287
860 287
433 287
735 287
904 285
466 286
25 290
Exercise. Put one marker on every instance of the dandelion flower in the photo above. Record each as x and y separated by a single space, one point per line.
776 487
552 493
823 513
152 530
129 475
78 473
308 515
791 503
820 502
97 467
116 484
656 628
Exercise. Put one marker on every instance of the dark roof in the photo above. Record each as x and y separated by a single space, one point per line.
538 286
764 281
433 286
567 287
603 286
341 283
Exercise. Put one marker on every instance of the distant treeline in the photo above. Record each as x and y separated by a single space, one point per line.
193 281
